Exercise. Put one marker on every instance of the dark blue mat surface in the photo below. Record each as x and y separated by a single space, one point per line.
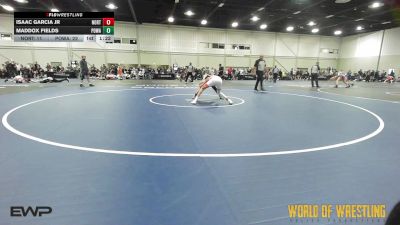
98 188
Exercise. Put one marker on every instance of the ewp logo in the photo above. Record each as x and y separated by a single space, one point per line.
18 211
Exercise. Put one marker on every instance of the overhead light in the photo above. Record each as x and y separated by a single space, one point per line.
255 18
22 1
342 1
315 30
329 16
204 22
376 5
260 9
359 28
386 22
290 28
111 6
7 7
311 23
359 19
171 19
337 32
54 10
263 26
325 50
189 13
297 12
221 4
235 24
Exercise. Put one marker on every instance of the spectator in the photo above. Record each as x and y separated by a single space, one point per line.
190 71
315 70
275 72
84 71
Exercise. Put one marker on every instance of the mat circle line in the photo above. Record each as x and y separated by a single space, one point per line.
152 100
203 155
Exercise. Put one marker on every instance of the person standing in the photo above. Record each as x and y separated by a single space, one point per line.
119 71
220 71
175 68
230 71
369 74
103 71
190 70
35 69
315 70
12 69
275 72
291 75
260 67
48 67
84 71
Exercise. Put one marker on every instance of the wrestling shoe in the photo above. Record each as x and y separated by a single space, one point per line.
82 85
230 102
336 86
193 102
91 85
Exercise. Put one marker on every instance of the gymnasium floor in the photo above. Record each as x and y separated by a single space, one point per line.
137 152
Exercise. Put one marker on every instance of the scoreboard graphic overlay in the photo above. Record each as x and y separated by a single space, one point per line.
64 27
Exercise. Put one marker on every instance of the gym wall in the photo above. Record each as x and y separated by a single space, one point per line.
168 44
364 51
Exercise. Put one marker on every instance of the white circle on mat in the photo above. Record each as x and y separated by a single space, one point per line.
7 125
238 101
